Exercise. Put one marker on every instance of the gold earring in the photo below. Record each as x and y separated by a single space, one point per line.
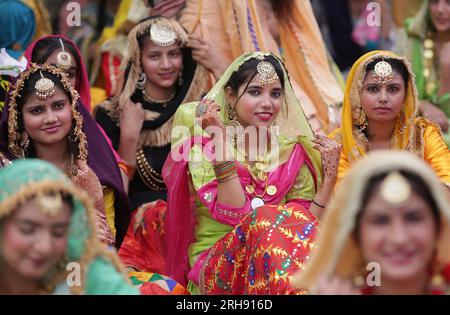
24 143
236 135
362 120
401 123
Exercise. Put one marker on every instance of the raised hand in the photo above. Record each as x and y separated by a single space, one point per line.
330 151
131 119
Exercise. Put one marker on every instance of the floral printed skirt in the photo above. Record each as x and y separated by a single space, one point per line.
262 253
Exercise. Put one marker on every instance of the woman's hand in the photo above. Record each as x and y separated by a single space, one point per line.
330 151
333 286
207 55
131 120
207 116
434 113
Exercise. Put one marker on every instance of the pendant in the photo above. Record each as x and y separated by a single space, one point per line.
262 176
260 166
250 189
272 190
257 202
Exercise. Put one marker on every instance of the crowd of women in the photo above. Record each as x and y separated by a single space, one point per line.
212 148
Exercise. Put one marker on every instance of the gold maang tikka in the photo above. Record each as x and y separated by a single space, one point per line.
45 88
266 74
49 204
382 73
395 189
64 60
162 35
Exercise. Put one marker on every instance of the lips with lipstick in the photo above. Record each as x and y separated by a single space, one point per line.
264 116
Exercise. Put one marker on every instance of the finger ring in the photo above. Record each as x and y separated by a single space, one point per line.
201 110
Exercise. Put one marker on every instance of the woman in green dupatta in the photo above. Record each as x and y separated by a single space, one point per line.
48 238
425 41
248 220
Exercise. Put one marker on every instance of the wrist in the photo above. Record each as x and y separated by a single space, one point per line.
318 204
128 169
225 171
129 138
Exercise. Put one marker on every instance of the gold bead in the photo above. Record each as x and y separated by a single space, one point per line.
428 54
428 43
430 87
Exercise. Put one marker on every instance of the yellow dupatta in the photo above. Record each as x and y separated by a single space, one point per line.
353 141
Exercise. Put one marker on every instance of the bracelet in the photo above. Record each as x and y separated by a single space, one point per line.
223 180
320 206
128 169
225 170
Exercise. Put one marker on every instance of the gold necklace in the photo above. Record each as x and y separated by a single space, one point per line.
261 170
428 60
151 178
164 103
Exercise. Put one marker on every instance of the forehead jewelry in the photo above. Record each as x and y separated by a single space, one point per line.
44 88
162 35
395 189
266 74
64 60
49 204
382 73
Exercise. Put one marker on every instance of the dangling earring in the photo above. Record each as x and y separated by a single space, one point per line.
401 123
362 120
237 134
140 85
180 77
24 143
72 137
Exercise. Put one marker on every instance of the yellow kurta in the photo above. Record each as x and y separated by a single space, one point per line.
434 151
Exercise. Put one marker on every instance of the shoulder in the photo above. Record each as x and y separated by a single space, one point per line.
427 128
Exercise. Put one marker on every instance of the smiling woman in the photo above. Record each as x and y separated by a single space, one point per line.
249 206
45 224
396 218
159 75
43 121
